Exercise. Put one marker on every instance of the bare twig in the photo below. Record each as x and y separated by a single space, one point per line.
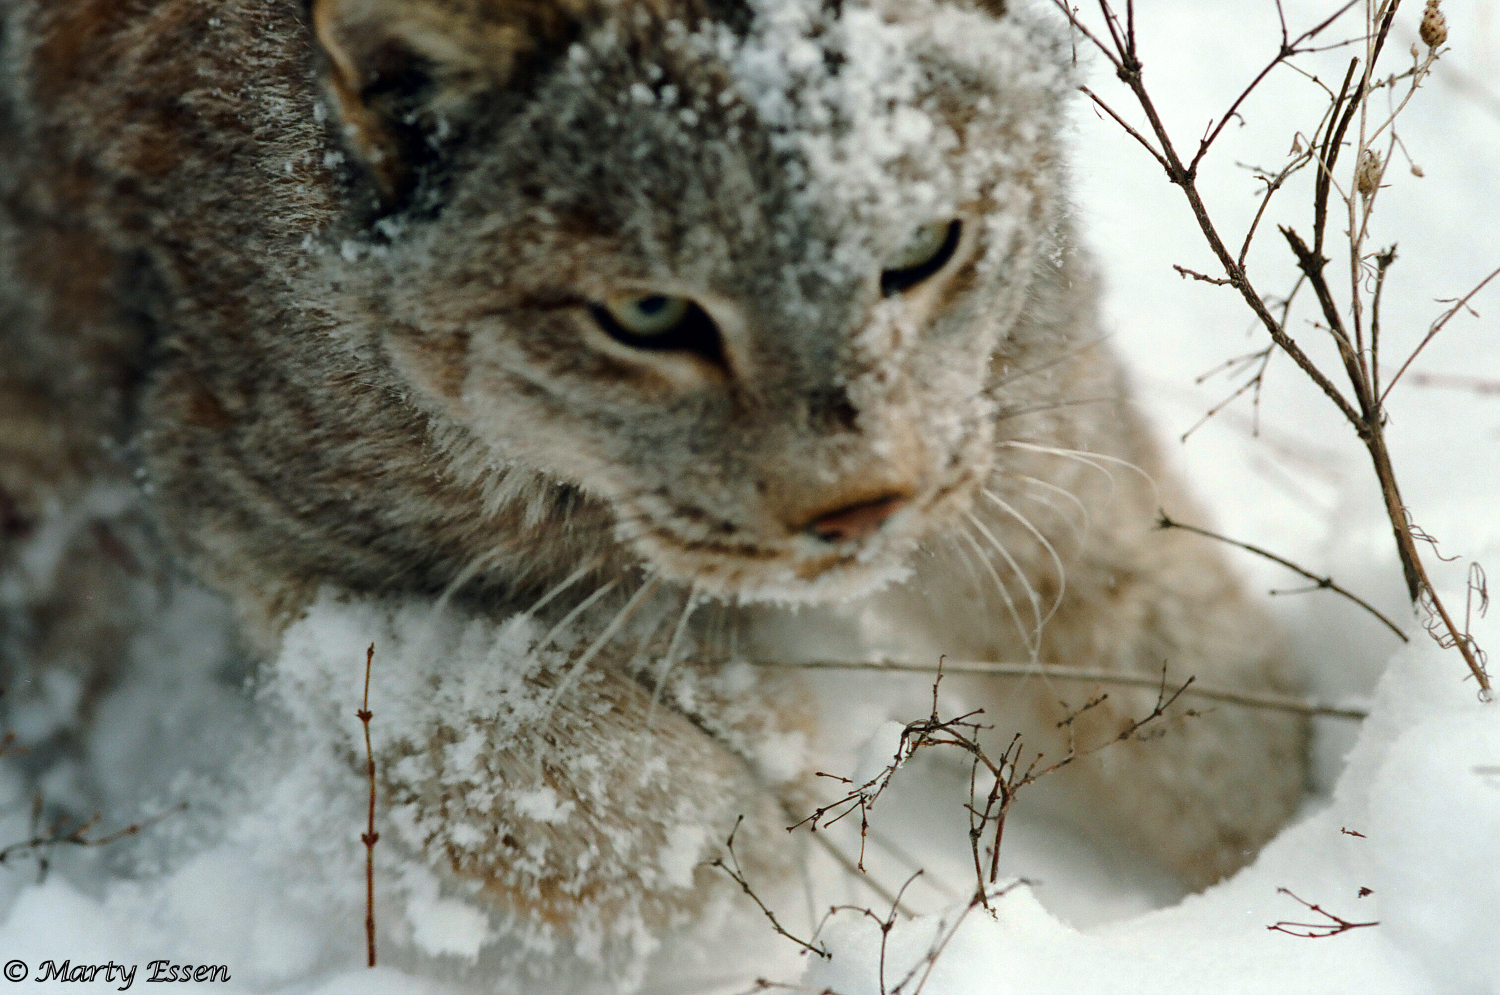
737 874
1437 326
1363 407
1319 583
1217 281
945 935
1315 930
79 835
370 837
1007 774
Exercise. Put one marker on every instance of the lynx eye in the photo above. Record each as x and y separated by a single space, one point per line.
926 252
653 314
659 322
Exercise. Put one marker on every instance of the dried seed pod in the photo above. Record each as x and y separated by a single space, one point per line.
1367 173
1434 28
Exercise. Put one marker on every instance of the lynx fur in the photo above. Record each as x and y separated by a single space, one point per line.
312 300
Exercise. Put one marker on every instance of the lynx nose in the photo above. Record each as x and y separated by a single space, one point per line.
854 522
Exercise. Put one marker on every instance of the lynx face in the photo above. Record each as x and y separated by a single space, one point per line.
737 273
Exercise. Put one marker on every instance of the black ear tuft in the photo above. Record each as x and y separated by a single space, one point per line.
404 74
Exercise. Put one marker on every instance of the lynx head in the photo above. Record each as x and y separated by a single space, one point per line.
735 268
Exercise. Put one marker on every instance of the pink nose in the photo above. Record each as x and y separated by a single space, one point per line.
856 521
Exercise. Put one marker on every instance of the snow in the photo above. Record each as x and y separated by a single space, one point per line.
267 877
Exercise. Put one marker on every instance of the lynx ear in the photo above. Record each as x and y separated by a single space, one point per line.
405 72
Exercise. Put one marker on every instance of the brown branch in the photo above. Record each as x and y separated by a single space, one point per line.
1364 411
1288 49
1007 773
1315 930
1332 141
1320 583
370 837
737 874
1218 281
1383 263
940 943
1312 265
79 835
1437 326
1273 184
1128 128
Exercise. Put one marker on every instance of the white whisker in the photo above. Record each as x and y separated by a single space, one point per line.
562 586
578 609
963 556
576 668
465 575
423 640
643 646
1088 520
1062 579
1049 364
1036 603
1010 604
669 660
1088 459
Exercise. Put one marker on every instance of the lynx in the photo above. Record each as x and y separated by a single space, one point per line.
641 322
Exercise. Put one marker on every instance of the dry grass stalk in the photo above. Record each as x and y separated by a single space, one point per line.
1059 672
1008 774
1363 405
42 841
1331 926
369 837
1319 583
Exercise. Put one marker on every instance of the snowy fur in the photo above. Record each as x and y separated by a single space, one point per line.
337 332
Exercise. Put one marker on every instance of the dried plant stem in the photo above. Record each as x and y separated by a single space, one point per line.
1056 672
736 874
370 837
1007 775
1334 925
1363 410
1325 583
1437 326
79 835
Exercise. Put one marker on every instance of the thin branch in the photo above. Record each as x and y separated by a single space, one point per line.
1128 128
1383 263
1363 411
1332 140
1056 672
79 835
1272 185
1315 930
1218 281
1320 582
370 836
1437 326
737 875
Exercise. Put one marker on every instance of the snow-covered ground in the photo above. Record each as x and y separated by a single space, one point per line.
1404 832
